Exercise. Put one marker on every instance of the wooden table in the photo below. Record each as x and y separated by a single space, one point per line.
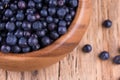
80 66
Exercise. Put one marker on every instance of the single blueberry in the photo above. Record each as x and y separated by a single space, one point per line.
22 42
107 23
37 25
10 26
8 13
36 47
87 48
116 59
16 49
5 48
104 55
26 25
62 30
11 40
45 41
26 49
32 41
19 33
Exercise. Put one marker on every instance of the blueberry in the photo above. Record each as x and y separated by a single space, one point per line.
116 59
27 33
20 16
107 23
8 13
62 23
39 6
73 3
26 49
56 20
67 9
31 18
5 48
19 33
61 2
61 12
62 30
52 3
22 42
41 33
49 19
44 12
16 49
37 25
30 11
51 26
52 11
72 13
54 35
22 4
45 41
87 48
26 25
18 24
11 40
31 4
104 55
10 26
32 41
13 7
68 17
36 47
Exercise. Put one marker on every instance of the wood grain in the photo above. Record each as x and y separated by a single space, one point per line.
80 66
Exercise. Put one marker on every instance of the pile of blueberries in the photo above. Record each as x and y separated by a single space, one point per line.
29 25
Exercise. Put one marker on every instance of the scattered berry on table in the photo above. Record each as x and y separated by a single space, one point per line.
107 23
87 48
104 55
116 59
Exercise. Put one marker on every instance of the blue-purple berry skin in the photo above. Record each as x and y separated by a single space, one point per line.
104 55
107 23
87 48
29 25
116 59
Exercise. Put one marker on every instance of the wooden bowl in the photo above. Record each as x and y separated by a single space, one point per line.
56 51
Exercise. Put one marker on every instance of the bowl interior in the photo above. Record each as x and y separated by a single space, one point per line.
66 42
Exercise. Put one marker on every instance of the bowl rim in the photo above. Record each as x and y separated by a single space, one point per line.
59 43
